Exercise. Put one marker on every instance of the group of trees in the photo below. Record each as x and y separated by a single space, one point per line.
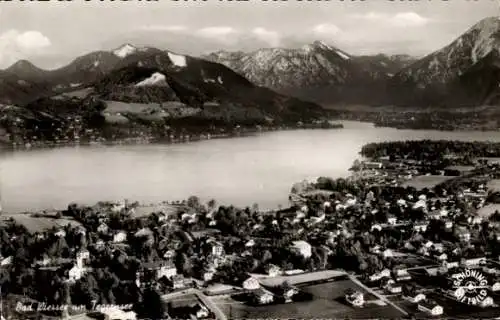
431 150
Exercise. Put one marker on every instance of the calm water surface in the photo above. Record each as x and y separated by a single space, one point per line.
241 171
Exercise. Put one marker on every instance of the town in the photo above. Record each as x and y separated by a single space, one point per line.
414 231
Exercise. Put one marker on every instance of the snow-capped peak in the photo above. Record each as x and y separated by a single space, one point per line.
486 39
125 50
155 79
322 45
343 55
177 60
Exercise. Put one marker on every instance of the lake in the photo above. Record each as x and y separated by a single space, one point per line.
241 171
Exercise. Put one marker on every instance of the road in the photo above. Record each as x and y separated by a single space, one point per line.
381 297
204 299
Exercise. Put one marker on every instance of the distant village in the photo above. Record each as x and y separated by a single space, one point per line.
413 232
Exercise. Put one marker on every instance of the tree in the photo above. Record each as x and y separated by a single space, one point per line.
193 202
152 306
212 204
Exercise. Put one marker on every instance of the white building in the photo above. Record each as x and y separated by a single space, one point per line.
495 286
251 284
392 220
430 308
387 253
356 299
303 248
217 249
386 273
442 257
474 261
393 288
250 243
420 227
168 271
115 313
6 261
61 233
487 302
416 298
76 273
202 312
119 237
263 296
273 270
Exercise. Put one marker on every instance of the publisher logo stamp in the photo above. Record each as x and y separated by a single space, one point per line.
470 287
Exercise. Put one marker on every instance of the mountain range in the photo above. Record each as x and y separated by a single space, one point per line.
316 71
145 87
133 90
464 73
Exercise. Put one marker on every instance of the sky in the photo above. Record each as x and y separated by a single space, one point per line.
52 33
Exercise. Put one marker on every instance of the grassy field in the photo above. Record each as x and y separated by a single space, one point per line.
300 278
150 111
421 182
494 185
328 302
115 118
35 224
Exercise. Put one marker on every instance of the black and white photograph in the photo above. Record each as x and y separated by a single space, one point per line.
249 159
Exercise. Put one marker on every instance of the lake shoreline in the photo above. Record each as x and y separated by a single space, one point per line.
182 140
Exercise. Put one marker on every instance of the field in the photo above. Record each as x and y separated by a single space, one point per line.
41 224
328 302
488 210
146 210
150 111
421 182
300 278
